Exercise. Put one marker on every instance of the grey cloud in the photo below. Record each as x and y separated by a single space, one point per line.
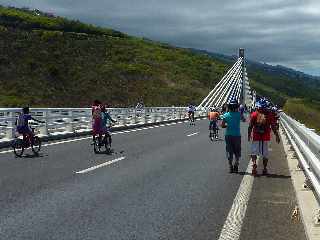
275 31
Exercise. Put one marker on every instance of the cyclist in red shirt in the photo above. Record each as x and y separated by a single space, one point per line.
259 131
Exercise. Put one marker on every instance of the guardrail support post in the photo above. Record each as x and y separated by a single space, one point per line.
10 129
44 127
70 122
135 116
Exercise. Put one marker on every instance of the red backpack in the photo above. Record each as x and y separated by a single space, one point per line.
260 125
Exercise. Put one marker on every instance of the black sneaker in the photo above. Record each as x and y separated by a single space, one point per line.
235 169
230 169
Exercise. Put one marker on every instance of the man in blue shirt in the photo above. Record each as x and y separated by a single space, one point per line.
231 121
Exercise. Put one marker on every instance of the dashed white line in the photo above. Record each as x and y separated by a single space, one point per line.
232 227
100 165
192 134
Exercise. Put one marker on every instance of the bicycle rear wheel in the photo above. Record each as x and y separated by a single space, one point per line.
96 146
18 147
107 143
36 145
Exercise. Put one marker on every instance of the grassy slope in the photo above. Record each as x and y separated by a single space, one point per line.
42 67
305 111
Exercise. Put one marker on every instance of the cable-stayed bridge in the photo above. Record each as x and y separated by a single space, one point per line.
165 179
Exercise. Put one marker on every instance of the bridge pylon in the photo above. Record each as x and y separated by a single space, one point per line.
233 85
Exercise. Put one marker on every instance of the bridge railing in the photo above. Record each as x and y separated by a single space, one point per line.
75 120
306 144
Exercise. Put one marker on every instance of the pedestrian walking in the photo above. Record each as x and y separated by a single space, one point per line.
231 121
259 131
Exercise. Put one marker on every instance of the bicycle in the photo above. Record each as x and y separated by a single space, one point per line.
213 132
191 119
102 141
19 145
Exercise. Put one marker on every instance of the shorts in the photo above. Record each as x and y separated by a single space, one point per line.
105 130
260 148
233 146
213 125
24 130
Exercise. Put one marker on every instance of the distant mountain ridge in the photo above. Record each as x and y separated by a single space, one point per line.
277 82
268 67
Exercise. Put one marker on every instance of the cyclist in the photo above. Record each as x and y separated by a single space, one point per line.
96 119
231 121
213 117
191 110
261 123
22 123
105 118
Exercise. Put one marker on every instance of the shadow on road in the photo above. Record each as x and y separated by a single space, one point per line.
270 175
111 152
33 156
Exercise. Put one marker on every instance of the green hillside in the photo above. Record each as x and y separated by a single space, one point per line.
57 67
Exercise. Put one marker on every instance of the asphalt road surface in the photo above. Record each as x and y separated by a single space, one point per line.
167 182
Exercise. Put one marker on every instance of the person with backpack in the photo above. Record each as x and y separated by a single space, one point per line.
231 121
259 131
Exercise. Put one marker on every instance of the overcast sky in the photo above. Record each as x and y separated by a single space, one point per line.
285 32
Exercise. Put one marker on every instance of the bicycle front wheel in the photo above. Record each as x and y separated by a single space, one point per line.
36 146
96 145
107 143
18 147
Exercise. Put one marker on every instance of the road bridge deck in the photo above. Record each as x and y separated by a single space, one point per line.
168 182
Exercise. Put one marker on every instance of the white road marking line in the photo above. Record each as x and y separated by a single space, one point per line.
100 165
56 143
192 134
8 151
232 227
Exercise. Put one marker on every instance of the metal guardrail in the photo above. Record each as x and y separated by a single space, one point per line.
59 121
306 144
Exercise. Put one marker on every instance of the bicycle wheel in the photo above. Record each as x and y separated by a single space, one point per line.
107 143
96 146
216 133
36 145
18 147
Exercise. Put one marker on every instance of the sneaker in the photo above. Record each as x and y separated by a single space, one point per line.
235 169
230 169
254 169
265 171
